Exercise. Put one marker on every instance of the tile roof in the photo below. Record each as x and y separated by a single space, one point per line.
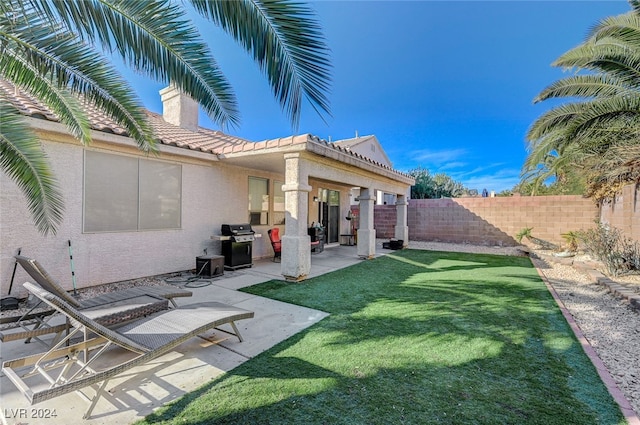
31 106
353 144
348 143
205 140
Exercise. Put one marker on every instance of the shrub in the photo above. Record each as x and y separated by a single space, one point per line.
620 255
572 238
526 233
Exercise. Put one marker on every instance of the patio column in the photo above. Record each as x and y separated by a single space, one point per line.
401 229
366 232
296 243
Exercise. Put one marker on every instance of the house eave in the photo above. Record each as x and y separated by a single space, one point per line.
314 146
99 138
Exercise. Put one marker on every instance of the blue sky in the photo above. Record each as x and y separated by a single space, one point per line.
445 85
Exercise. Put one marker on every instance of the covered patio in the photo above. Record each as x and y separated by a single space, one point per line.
309 166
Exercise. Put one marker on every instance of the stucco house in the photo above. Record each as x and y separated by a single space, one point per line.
129 215
369 147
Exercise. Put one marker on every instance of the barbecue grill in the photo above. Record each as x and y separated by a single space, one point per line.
237 245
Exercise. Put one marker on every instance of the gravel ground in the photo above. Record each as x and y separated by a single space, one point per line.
608 323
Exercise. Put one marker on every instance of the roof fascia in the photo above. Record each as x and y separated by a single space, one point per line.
362 139
348 157
315 146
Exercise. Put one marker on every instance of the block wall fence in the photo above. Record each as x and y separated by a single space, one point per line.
624 212
496 221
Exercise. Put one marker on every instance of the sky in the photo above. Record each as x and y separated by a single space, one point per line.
443 85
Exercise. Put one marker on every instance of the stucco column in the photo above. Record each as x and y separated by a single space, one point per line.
296 243
401 229
366 232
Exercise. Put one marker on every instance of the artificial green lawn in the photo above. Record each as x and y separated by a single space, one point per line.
416 337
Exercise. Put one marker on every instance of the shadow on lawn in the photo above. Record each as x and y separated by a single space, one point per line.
410 346
481 391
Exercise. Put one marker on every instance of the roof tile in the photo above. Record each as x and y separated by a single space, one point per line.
204 140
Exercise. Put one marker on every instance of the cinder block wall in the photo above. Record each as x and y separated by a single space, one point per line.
624 212
490 221
384 220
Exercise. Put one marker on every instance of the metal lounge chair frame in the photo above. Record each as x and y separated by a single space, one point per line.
149 338
35 322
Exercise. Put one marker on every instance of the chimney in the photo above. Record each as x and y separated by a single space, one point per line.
179 109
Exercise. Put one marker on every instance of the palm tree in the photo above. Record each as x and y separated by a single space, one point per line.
51 50
598 132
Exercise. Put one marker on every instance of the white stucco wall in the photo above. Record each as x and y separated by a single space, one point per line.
372 149
212 194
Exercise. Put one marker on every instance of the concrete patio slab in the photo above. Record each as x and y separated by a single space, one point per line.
138 392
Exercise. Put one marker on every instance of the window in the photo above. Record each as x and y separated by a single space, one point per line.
160 187
278 203
124 193
258 201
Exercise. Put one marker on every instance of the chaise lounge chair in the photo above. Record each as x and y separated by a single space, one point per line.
136 302
147 338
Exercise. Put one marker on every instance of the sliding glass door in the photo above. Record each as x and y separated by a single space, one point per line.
329 214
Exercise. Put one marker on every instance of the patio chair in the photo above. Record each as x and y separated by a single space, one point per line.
276 243
35 322
146 339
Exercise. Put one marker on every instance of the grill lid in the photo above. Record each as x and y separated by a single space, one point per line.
236 229
243 238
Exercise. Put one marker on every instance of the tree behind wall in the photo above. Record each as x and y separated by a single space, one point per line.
435 186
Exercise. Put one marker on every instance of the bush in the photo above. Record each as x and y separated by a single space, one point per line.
572 239
526 233
620 255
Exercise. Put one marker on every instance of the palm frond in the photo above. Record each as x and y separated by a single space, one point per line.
625 28
51 64
572 118
618 61
601 112
156 39
22 159
539 150
286 41
586 86
60 101
555 119
598 134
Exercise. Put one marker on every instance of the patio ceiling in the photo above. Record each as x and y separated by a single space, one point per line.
271 162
